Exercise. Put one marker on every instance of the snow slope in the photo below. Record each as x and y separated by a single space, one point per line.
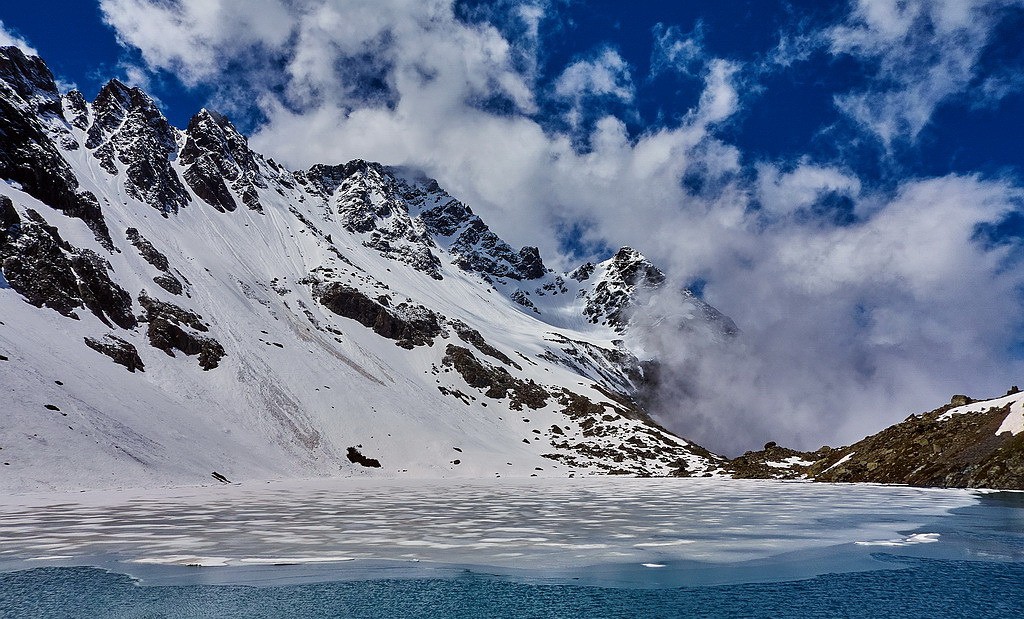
1014 421
266 323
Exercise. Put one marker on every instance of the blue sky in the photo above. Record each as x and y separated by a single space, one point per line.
792 112
843 178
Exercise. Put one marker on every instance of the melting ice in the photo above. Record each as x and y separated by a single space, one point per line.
510 524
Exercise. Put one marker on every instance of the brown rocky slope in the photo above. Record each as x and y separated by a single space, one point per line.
964 444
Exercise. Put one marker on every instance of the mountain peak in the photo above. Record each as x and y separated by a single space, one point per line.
30 79
633 268
219 164
615 285
128 130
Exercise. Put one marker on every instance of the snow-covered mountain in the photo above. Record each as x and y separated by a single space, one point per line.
173 304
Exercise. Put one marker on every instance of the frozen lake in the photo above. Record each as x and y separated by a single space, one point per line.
588 534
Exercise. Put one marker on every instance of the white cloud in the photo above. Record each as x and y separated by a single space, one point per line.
605 76
676 51
785 193
923 53
846 328
194 37
8 38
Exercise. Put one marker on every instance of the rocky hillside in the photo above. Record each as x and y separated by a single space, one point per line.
174 304
966 443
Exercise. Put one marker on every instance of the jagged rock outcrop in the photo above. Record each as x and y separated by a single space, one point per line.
128 129
471 336
218 161
477 247
624 275
76 109
120 351
171 328
496 382
30 114
35 262
408 325
104 298
370 201
48 272
153 256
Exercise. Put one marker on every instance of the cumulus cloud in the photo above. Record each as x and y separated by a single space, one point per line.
605 76
8 38
857 305
846 326
921 54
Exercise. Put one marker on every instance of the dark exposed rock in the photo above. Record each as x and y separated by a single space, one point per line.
583 272
202 177
48 272
613 296
476 247
10 221
960 400
774 462
216 156
169 283
98 292
628 275
472 336
28 154
76 110
523 298
633 269
409 325
327 179
119 350
173 328
355 457
31 80
372 202
35 263
530 264
614 367
129 129
497 381
151 254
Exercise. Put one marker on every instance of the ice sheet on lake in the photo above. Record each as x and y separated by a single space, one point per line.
511 524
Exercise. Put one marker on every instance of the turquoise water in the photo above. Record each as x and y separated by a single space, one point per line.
623 548
923 588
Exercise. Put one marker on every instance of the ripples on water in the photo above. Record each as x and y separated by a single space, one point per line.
578 548
927 589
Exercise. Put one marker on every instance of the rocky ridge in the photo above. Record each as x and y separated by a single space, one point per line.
344 319
965 444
